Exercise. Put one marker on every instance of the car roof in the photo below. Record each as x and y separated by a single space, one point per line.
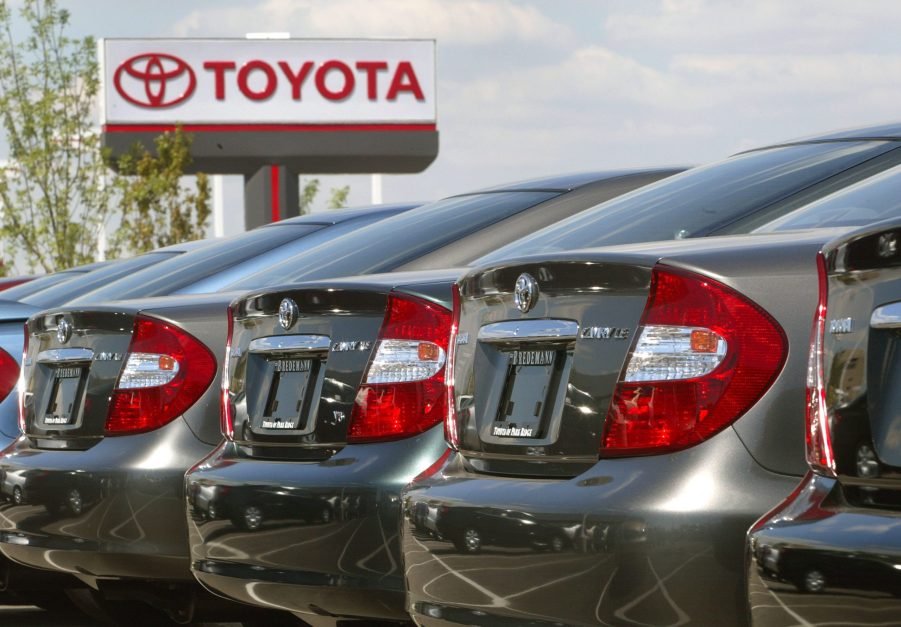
890 131
183 247
571 181
341 215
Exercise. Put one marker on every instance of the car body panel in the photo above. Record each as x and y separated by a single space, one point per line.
203 316
223 563
638 537
632 549
125 484
324 533
12 281
831 551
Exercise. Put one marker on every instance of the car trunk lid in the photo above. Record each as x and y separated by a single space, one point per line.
297 382
539 351
862 359
295 362
73 360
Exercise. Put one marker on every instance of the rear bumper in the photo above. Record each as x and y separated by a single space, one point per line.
306 536
820 559
652 540
112 511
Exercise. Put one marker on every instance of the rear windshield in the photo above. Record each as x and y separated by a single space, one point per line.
41 283
698 201
173 274
874 199
84 283
260 263
391 242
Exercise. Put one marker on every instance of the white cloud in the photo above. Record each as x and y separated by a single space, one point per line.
532 88
750 25
471 22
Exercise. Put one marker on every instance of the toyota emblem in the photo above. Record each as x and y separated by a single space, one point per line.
288 313
525 293
155 80
63 331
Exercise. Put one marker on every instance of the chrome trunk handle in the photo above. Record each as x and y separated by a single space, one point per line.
533 330
289 344
63 355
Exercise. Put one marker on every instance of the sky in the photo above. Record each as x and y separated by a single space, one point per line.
530 88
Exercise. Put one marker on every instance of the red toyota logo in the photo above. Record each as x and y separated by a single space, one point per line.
155 80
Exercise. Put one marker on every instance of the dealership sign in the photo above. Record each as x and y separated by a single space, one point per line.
268 81
268 85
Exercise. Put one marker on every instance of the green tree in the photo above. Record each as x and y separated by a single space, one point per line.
308 193
338 199
157 208
310 190
53 188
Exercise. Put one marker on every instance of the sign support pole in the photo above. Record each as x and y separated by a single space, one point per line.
270 194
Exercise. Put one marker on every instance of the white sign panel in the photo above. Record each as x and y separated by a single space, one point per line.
256 82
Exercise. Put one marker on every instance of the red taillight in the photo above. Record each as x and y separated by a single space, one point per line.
403 391
21 380
226 411
166 371
704 354
9 373
450 421
819 442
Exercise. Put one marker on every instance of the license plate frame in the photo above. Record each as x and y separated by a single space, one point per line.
64 400
290 386
528 383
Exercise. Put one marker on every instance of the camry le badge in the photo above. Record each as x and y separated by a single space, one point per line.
351 345
604 333
525 292
63 331
104 356
288 313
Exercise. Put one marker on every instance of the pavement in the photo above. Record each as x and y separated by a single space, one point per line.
27 616
19 616
781 605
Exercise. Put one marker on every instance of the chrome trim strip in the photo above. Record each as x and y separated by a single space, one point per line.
62 355
289 343
887 317
535 330
578 459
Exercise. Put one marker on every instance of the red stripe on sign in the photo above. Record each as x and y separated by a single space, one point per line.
274 191
265 128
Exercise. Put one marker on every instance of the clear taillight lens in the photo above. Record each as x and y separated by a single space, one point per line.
167 370
703 356
666 353
21 379
451 435
403 361
147 370
403 392
226 410
819 441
